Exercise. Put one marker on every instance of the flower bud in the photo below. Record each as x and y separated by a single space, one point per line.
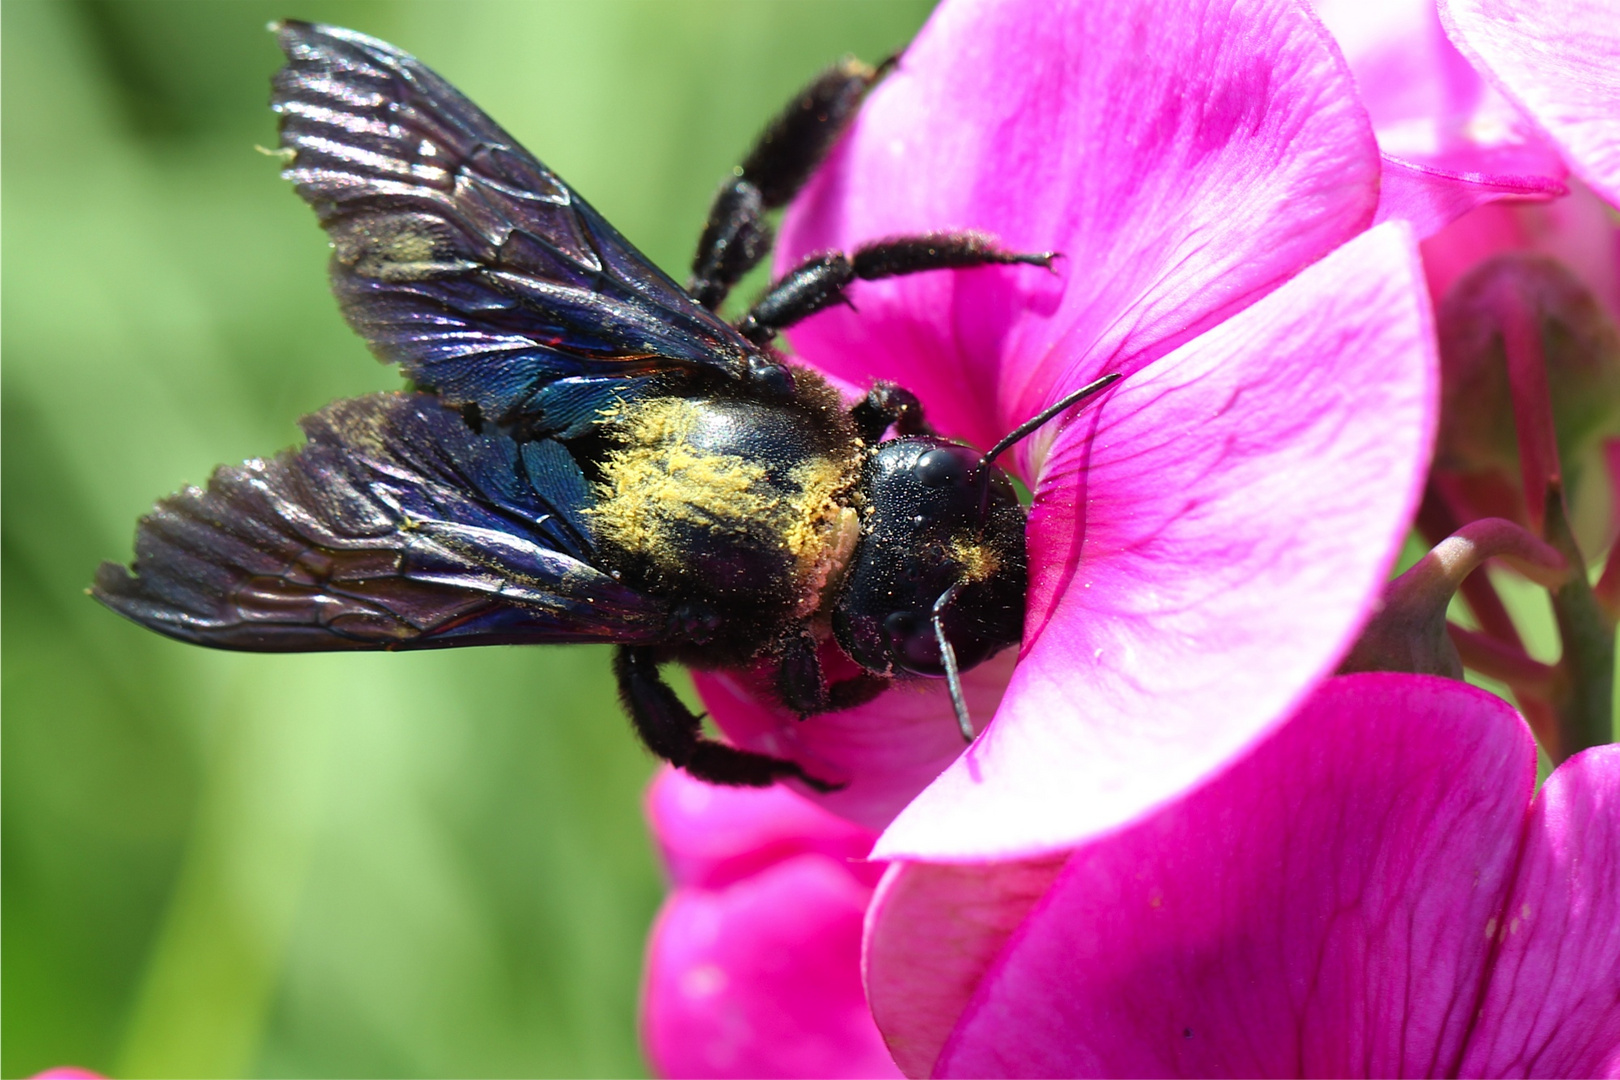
1501 325
1408 632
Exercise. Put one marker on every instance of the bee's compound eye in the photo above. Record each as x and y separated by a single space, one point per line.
912 642
940 468
901 624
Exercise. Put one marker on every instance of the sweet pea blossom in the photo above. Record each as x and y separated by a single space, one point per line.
1372 892
753 964
1206 537
1366 892
1562 258
1460 131
1559 61
1450 141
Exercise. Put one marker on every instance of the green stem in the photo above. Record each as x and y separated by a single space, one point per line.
1583 701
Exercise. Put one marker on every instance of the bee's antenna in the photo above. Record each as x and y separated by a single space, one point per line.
1029 426
953 678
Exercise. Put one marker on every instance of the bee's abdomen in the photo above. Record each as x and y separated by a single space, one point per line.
742 507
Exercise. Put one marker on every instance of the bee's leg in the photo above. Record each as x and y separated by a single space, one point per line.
736 236
819 281
803 688
675 734
885 404
799 682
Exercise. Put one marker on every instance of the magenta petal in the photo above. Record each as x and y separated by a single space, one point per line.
1559 61
1183 159
932 932
711 836
1553 1004
1203 547
762 978
1321 910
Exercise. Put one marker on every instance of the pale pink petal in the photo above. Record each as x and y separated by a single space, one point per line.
932 932
762 978
1429 198
1203 547
883 752
1450 142
711 836
1183 159
1321 910
1553 1004
1559 61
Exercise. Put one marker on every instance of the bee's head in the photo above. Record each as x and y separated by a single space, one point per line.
937 583
942 530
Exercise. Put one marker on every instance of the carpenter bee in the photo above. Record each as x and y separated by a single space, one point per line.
589 453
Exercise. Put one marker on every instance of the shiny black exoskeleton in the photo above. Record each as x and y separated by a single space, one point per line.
589 452
931 527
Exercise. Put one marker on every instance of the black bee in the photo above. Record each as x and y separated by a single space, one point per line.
589 453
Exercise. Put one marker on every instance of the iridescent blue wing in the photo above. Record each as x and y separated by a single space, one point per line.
459 256
395 526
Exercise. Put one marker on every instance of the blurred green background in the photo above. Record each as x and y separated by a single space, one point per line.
224 865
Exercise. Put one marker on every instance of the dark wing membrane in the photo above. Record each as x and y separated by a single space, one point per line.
457 254
394 527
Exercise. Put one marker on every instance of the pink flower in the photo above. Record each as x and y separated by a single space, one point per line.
1559 61
1484 100
1563 257
1534 85
1371 892
753 965
1450 142
1365 891
1205 539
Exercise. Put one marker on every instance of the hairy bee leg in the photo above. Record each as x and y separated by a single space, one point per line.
674 733
885 404
735 236
799 682
819 281
804 689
